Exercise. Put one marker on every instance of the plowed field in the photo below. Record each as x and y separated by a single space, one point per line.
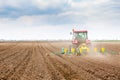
36 61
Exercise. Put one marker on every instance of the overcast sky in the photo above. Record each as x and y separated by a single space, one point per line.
55 19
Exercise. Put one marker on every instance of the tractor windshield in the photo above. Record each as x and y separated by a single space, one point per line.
80 35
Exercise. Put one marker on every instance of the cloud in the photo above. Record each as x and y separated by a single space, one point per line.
96 15
11 3
86 3
60 11
43 4
15 9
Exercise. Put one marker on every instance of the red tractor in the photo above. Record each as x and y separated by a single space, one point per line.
80 42
80 37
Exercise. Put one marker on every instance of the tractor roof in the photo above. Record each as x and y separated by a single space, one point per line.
79 31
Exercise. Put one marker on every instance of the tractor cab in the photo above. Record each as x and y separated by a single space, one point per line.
79 36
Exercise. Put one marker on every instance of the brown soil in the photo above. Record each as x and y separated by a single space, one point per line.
37 61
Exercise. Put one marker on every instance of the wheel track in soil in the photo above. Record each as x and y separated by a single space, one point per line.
6 64
35 69
109 69
16 65
98 71
4 47
54 73
67 71
4 54
10 48
106 72
49 72
19 70
11 59
7 60
38 63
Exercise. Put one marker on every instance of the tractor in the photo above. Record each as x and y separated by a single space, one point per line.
80 37
80 43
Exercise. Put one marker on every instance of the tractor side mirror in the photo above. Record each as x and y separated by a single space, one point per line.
70 33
